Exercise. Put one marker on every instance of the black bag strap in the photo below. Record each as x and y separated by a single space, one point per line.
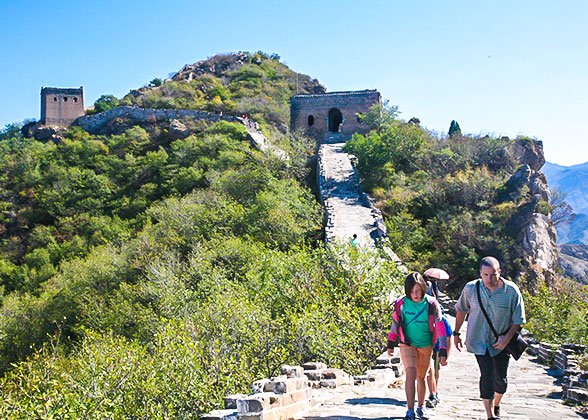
484 310
417 315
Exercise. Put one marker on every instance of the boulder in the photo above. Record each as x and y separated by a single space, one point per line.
45 133
529 152
177 130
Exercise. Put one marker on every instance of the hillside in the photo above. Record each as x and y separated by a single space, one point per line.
573 260
155 265
152 268
449 201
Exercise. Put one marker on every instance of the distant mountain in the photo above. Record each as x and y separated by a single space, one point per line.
575 232
573 260
573 181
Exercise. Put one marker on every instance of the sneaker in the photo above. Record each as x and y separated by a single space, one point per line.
410 415
432 401
497 412
421 414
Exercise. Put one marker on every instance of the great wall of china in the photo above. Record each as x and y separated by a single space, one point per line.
538 381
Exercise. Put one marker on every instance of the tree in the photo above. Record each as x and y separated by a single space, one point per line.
156 82
454 130
10 131
379 116
561 211
105 103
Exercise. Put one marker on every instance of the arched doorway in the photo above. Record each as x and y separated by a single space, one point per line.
335 120
310 120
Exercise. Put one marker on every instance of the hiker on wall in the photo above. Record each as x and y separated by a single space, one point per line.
416 326
493 304
432 276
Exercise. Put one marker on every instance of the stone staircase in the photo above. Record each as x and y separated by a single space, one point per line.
348 210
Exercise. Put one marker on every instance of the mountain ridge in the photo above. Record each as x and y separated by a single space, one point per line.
573 182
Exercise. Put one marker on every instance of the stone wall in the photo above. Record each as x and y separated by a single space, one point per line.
310 113
102 123
98 123
61 106
298 388
347 208
564 359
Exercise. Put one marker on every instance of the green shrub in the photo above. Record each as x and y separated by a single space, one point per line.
557 313
105 103
543 207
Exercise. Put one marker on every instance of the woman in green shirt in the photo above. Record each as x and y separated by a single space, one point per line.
416 325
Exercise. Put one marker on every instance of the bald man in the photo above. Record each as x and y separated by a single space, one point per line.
503 303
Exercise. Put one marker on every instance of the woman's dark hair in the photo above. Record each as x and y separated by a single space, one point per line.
411 280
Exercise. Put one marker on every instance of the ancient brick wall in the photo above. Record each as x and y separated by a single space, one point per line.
335 112
97 123
61 106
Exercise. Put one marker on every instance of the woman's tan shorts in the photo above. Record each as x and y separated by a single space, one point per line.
413 357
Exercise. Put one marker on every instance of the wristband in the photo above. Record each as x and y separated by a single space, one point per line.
457 334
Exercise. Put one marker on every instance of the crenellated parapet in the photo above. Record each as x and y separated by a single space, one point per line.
300 388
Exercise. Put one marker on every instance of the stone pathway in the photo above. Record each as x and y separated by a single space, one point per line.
533 394
348 210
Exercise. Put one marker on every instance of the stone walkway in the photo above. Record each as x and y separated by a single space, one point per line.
533 394
348 209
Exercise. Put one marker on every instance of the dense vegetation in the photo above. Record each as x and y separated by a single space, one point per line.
445 204
558 313
147 276
256 85
440 196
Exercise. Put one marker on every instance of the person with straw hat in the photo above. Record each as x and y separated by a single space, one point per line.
432 275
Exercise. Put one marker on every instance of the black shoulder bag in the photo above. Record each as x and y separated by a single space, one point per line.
517 344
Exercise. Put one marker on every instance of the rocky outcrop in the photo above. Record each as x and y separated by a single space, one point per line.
529 152
44 133
177 130
535 246
219 65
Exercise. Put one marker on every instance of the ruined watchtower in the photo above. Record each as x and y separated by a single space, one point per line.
331 116
61 106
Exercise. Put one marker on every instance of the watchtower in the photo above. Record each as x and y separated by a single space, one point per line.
61 106
331 116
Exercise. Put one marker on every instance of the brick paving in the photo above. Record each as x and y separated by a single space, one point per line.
533 394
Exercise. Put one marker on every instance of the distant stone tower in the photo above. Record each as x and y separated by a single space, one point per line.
61 106
331 116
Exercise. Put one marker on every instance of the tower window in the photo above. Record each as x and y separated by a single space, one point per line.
65 99
310 120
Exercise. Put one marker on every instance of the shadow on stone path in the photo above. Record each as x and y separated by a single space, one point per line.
533 394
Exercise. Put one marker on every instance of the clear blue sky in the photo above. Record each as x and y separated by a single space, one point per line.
503 67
